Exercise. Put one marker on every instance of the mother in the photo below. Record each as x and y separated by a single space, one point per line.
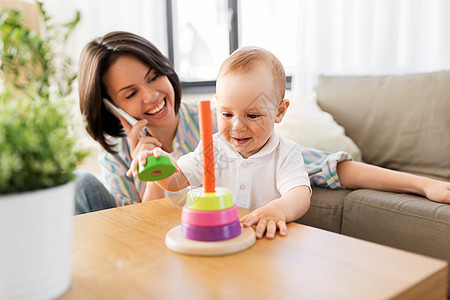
133 74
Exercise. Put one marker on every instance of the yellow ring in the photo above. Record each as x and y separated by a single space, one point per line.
199 200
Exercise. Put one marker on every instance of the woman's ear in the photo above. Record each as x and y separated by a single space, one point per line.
282 108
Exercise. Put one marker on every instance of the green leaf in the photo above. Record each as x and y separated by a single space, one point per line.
37 145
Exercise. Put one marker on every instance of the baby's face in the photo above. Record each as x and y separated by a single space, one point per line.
246 110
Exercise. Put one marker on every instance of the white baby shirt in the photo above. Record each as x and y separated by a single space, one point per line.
255 181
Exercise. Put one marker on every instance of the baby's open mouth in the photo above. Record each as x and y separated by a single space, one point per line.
241 140
158 109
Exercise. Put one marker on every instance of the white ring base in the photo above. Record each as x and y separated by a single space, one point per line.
176 242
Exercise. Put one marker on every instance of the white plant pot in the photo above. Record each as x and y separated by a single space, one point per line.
36 230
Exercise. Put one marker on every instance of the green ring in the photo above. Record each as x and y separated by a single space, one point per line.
199 200
156 168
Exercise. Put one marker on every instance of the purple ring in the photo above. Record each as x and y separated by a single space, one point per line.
210 234
209 218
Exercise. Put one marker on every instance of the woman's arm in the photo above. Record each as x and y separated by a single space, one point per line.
357 175
114 168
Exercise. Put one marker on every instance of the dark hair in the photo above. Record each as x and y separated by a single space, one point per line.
96 58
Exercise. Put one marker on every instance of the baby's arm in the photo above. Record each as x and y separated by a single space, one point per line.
274 215
177 181
152 192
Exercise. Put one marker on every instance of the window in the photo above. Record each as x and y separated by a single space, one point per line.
202 33
200 38
273 25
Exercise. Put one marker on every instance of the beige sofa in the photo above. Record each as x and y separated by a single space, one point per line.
400 122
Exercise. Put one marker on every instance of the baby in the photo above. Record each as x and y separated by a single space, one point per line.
263 170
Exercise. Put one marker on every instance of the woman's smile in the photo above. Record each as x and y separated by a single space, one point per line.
158 109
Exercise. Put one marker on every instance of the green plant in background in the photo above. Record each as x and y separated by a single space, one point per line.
38 148
33 63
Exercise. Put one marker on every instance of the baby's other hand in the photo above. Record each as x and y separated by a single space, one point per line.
267 219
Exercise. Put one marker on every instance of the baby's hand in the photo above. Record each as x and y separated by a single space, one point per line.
141 159
267 219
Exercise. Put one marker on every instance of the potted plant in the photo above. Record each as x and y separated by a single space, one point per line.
38 154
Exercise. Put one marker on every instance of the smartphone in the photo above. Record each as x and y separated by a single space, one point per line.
118 112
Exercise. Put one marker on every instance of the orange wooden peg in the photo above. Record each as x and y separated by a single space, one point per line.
206 133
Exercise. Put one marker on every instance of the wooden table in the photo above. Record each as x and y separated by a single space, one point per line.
120 254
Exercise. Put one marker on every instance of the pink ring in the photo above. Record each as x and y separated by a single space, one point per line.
208 218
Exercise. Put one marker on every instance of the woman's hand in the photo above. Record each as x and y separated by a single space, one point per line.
436 190
268 219
139 143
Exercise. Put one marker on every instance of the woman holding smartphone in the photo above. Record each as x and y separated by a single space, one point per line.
131 73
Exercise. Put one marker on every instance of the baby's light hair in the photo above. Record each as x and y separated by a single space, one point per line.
247 59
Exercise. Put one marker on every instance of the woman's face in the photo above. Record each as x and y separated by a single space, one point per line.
141 92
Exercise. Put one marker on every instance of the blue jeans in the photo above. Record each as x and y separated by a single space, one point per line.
90 194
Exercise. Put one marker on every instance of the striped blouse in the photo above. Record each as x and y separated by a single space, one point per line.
320 165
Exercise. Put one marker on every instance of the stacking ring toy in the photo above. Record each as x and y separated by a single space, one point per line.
156 168
210 234
209 220
203 218
201 200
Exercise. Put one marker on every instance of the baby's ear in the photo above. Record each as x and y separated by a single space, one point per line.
282 108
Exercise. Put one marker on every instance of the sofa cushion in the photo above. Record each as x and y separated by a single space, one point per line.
307 124
400 122
402 221
326 208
